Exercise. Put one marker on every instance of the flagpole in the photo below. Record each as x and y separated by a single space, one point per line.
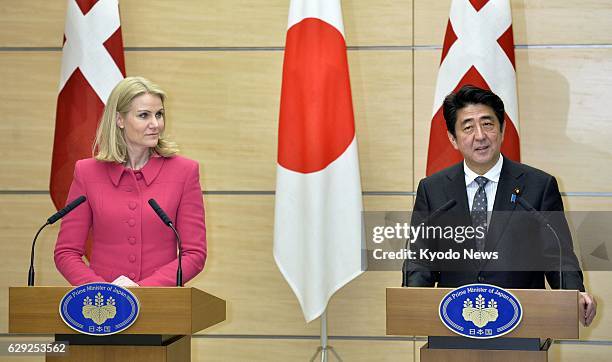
324 348
324 336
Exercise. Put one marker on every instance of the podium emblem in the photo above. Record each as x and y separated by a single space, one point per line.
480 311
99 309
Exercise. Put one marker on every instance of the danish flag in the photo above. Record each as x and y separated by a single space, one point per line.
478 50
92 64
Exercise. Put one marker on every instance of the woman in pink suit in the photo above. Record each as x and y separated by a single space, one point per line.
134 162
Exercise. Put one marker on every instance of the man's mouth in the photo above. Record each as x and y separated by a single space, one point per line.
481 148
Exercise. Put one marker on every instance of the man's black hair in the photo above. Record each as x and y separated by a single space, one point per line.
466 95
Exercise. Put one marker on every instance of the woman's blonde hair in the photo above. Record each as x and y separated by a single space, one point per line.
110 145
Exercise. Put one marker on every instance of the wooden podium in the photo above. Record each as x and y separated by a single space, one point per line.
547 314
168 317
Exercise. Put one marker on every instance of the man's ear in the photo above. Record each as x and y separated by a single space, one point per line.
452 140
119 120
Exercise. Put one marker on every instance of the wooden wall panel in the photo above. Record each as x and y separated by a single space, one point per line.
226 109
34 23
235 23
185 23
240 238
583 203
358 309
381 86
20 218
381 22
556 120
221 350
205 350
242 270
560 101
223 110
240 23
563 352
534 22
388 203
28 98
378 350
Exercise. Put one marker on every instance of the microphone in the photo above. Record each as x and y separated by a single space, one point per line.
166 220
160 212
516 197
442 209
63 212
50 221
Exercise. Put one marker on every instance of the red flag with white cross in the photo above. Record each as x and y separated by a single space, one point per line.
92 64
478 49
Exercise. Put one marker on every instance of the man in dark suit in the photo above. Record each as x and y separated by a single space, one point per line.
484 182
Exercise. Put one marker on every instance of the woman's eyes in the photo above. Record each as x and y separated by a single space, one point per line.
145 115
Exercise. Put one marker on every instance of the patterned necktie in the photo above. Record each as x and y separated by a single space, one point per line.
479 210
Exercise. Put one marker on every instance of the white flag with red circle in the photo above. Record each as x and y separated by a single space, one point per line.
92 64
478 49
317 226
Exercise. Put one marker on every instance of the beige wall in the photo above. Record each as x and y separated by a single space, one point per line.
221 64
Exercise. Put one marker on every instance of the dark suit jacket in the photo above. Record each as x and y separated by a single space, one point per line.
527 251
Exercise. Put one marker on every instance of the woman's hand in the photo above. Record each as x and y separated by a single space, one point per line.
124 281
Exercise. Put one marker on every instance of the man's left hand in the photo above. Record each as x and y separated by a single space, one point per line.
587 308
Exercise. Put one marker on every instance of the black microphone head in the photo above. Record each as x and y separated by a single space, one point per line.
63 212
154 204
160 212
74 203
79 200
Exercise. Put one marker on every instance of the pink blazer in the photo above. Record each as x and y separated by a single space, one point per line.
128 237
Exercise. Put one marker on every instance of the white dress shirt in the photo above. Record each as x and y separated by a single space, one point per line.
471 185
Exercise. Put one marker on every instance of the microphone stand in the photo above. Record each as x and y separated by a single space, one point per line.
516 197
179 269
31 271
50 221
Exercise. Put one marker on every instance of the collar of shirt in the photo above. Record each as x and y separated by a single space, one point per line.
493 174
149 171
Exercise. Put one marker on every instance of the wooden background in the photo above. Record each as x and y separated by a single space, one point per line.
221 64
